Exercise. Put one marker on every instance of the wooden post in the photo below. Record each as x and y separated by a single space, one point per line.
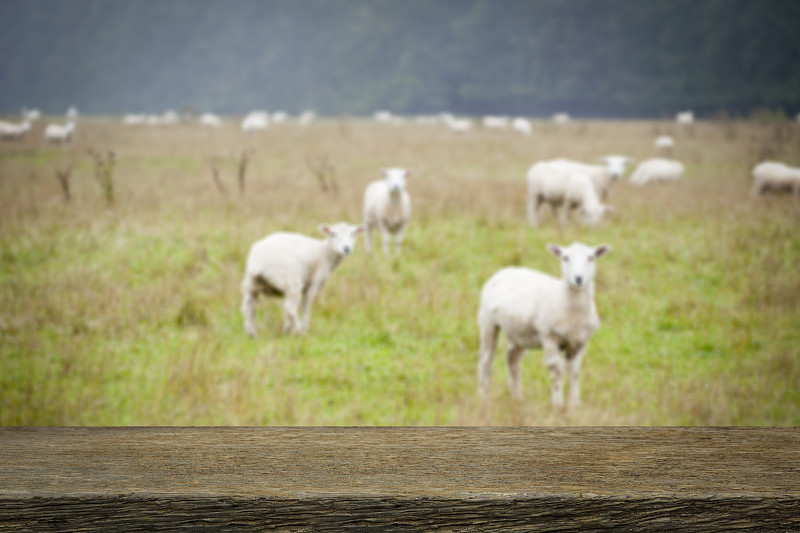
400 479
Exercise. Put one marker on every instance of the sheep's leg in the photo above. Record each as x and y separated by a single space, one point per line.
386 238
489 334
513 359
574 366
398 240
308 299
533 210
555 363
249 295
563 214
292 322
368 237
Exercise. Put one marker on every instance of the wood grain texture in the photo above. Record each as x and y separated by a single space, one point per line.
447 479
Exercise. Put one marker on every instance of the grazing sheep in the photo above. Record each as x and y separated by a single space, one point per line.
522 125
536 310
295 267
387 207
562 188
14 132
210 119
665 144
603 177
496 122
561 118
255 120
58 134
776 177
657 169
684 117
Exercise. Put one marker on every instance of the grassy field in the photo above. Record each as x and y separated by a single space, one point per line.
128 313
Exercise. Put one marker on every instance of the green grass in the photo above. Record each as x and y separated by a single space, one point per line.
130 314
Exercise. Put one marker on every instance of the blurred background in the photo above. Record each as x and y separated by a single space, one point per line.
592 58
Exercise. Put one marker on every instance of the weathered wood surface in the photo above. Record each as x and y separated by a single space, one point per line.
404 479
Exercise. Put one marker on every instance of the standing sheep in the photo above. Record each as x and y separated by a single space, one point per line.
14 132
387 207
58 134
774 176
295 267
536 310
564 189
603 176
657 169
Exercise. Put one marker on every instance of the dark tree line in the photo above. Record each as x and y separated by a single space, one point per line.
618 58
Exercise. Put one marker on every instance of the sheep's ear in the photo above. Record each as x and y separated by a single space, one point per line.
358 229
555 250
409 172
384 172
325 229
602 250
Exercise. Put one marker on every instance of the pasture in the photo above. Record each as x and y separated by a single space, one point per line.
127 312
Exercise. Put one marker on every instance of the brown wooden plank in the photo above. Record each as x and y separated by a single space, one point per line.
700 479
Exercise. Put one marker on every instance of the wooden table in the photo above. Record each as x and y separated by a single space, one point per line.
402 479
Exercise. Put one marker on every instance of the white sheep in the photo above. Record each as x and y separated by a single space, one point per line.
14 132
603 176
254 121
210 119
776 177
684 117
496 122
295 267
59 134
561 118
387 207
657 169
536 310
522 125
664 142
562 189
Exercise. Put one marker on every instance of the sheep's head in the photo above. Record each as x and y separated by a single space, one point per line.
578 262
592 215
396 179
616 164
341 236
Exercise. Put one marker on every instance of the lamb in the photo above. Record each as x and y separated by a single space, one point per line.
295 267
58 134
14 132
665 143
210 119
551 183
536 310
387 207
774 176
657 169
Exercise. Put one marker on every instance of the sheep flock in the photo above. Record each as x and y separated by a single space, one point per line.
531 308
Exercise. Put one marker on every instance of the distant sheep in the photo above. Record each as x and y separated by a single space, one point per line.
561 118
664 144
522 125
684 117
657 169
775 177
564 189
254 121
387 208
295 267
536 310
210 119
59 134
13 132
496 122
